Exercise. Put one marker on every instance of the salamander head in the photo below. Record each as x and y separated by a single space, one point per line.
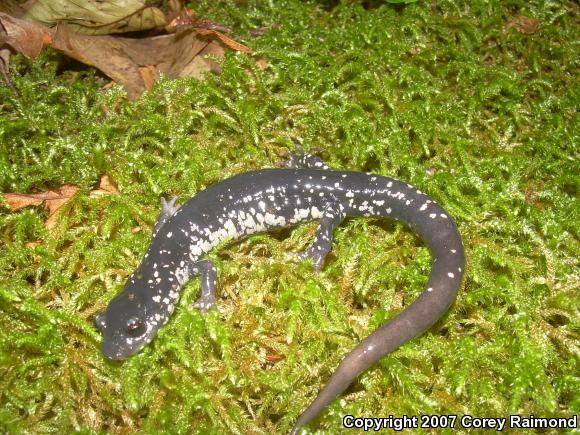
128 324
133 318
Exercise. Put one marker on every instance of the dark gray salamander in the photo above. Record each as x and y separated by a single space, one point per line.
272 198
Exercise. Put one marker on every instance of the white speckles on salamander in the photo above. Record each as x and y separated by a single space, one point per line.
272 198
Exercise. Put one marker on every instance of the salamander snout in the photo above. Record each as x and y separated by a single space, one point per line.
123 337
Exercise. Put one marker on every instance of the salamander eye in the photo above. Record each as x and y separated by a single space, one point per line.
135 327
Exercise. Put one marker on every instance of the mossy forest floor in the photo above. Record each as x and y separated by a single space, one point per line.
444 95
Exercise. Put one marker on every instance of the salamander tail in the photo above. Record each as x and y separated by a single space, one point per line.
444 241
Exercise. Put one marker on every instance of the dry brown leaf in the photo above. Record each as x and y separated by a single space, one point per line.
148 75
186 18
12 8
104 53
54 205
5 69
523 24
96 17
174 6
223 38
53 199
196 68
16 201
106 187
262 63
107 184
133 63
25 38
201 63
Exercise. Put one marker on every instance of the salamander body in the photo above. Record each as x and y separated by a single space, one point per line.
272 198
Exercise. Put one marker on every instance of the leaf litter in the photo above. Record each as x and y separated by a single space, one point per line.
55 200
183 45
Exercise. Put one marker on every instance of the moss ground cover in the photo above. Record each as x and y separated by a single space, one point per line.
444 95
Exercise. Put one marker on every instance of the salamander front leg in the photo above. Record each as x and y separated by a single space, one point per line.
168 209
208 273
323 238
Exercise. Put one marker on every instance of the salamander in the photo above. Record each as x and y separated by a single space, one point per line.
252 202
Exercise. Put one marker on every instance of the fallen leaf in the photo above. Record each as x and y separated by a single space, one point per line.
202 63
174 6
5 69
10 7
106 187
133 63
223 38
54 205
33 244
16 201
186 18
25 38
53 199
262 63
96 17
196 68
148 75
523 24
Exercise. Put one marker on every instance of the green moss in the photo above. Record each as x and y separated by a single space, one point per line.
442 95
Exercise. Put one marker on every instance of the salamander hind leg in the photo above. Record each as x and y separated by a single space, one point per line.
168 209
317 252
208 273
304 161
